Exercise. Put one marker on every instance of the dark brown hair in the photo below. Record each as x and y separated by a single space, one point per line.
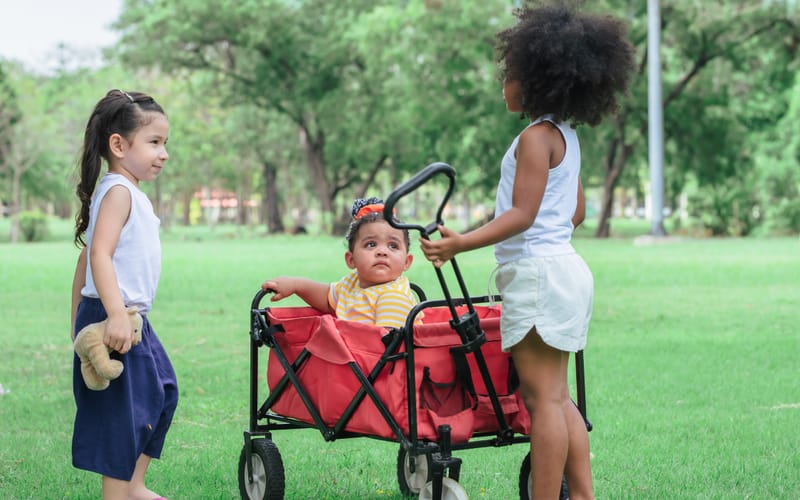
120 113
358 222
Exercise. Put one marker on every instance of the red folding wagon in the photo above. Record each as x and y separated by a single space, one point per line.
435 388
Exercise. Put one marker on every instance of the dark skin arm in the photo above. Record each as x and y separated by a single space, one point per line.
540 148
312 292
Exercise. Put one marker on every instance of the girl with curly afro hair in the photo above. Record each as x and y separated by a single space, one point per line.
561 67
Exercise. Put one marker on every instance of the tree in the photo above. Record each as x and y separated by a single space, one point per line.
374 89
18 150
710 56
286 57
778 175
9 116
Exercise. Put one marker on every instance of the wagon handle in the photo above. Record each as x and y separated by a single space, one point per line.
259 295
260 329
410 186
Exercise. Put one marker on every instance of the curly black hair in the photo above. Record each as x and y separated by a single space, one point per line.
356 224
569 63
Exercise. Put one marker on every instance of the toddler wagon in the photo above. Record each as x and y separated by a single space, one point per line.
434 388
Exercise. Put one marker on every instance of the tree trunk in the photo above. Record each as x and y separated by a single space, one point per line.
342 222
187 208
314 148
606 206
16 205
21 159
618 153
271 201
242 197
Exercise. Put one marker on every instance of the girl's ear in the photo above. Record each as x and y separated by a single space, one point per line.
117 145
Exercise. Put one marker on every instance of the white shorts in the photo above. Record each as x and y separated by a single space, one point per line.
553 294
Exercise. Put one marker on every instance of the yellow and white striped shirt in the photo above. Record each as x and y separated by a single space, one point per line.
387 304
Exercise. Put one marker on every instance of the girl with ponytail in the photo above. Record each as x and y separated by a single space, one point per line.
120 429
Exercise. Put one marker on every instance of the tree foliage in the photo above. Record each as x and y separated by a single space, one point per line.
712 101
368 85
307 104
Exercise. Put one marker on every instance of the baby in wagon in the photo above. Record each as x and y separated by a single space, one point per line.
375 291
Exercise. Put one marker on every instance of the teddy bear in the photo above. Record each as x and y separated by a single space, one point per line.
97 367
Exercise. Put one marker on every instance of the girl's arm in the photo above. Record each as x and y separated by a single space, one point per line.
580 209
312 292
535 151
78 281
114 210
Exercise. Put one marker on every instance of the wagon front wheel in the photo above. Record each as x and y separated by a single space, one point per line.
267 481
526 482
451 490
411 483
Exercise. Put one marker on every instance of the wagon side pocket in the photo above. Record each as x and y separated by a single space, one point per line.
448 403
508 396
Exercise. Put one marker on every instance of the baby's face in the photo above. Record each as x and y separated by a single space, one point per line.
379 254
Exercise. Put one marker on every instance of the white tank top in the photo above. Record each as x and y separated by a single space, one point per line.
551 231
137 258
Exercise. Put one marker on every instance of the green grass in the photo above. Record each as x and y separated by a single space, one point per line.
692 369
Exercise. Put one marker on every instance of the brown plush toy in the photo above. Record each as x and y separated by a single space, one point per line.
97 367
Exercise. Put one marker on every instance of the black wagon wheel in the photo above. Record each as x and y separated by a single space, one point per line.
411 483
526 483
268 481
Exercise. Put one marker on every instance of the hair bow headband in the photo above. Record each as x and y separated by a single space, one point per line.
369 209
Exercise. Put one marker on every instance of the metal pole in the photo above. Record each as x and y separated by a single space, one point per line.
656 120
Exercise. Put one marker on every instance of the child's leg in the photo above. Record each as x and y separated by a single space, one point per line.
115 489
542 374
118 489
578 469
138 490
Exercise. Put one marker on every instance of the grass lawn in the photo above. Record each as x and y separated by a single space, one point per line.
692 370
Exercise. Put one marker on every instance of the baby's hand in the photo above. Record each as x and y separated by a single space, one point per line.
280 287
118 333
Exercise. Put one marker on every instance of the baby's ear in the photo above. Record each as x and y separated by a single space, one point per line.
409 260
349 260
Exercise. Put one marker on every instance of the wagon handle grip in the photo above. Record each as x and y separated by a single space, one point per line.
259 295
412 185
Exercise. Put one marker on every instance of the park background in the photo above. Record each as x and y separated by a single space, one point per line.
282 112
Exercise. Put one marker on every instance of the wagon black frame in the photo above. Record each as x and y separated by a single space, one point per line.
262 421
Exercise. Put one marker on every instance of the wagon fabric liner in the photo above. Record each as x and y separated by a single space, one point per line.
449 388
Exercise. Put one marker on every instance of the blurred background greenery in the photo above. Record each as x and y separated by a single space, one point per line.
283 111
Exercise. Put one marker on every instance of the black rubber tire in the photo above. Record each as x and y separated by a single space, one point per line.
525 481
412 484
268 477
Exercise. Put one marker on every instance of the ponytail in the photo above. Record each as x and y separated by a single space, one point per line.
120 113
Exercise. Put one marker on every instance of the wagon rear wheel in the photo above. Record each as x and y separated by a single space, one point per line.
411 483
526 482
267 480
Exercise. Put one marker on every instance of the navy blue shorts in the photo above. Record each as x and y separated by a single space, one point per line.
113 427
